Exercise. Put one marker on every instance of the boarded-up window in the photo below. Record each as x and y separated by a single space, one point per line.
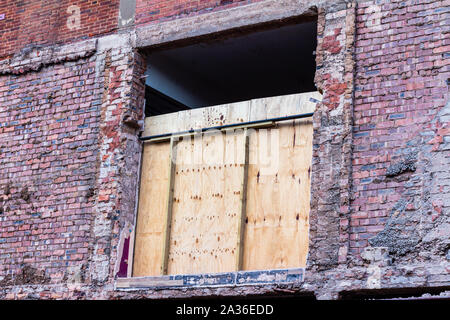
226 200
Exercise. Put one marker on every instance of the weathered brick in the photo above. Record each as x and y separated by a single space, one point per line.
69 163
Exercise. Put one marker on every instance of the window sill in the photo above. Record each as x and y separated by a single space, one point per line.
238 278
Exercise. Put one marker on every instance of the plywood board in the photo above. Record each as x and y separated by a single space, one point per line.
208 182
278 196
169 206
251 110
148 249
207 225
243 205
283 106
198 118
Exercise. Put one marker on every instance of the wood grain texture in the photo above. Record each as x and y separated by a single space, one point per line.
225 216
206 204
198 118
251 110
243 204
278 196
169 206
149 239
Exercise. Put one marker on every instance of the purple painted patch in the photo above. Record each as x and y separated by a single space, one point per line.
123 269
2 16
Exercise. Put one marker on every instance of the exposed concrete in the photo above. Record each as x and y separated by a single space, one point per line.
127 10
293 277
33 58
245 16
115 41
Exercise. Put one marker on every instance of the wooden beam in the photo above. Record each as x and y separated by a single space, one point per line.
167 138
262 125
169 207
243 211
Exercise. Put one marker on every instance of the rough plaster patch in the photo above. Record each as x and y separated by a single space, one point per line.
74 19
373 17
406 165
418 223
377 258
27 275
127 11
75 274
340 109
374 278
114 41
375 255
396 235
441 232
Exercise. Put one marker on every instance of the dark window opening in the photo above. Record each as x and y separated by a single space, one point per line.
262 64
159 103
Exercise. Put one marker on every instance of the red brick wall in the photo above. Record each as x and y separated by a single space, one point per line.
402 57
66 189
157 10
29 22
69 154
44 22
49 127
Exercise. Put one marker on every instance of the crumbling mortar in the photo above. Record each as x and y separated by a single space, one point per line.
52 55
27 275
406 243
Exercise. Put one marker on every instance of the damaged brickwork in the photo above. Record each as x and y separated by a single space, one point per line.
61 209
71 113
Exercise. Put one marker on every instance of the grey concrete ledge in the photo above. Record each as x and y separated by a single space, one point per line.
239 278
204 24
33 58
